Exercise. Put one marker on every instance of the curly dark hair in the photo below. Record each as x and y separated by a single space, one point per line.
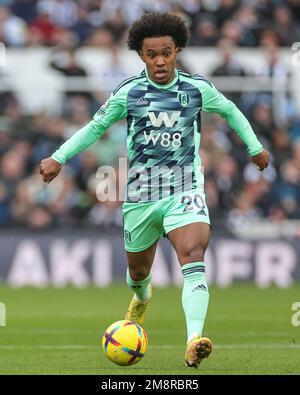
156 24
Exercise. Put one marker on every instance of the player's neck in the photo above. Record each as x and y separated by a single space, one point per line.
163 86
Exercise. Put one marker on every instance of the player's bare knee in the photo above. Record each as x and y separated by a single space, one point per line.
190 254
138 274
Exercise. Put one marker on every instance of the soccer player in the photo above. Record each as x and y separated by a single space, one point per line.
162 106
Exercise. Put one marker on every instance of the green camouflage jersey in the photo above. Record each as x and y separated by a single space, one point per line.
163 132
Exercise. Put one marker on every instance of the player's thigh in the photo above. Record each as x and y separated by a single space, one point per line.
143 225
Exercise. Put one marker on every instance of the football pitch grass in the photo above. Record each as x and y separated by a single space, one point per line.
59 331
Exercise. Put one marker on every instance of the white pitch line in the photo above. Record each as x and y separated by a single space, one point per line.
238 346
260 346
58 331
165 346
47 347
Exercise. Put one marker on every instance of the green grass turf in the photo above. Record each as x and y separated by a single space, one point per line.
58 331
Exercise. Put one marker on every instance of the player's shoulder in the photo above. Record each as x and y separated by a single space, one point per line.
129 82
195 78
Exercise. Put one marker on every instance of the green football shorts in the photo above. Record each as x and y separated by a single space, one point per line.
147 222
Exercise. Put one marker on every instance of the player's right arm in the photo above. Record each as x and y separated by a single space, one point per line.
112 111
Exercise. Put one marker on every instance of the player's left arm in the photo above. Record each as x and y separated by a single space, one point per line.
214 101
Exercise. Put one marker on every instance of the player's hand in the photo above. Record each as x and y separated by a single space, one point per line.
49 169
261 160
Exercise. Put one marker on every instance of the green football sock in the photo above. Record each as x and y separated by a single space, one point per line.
140 288
195 297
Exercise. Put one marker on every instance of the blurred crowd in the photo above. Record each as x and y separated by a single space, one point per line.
236 191
100 23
